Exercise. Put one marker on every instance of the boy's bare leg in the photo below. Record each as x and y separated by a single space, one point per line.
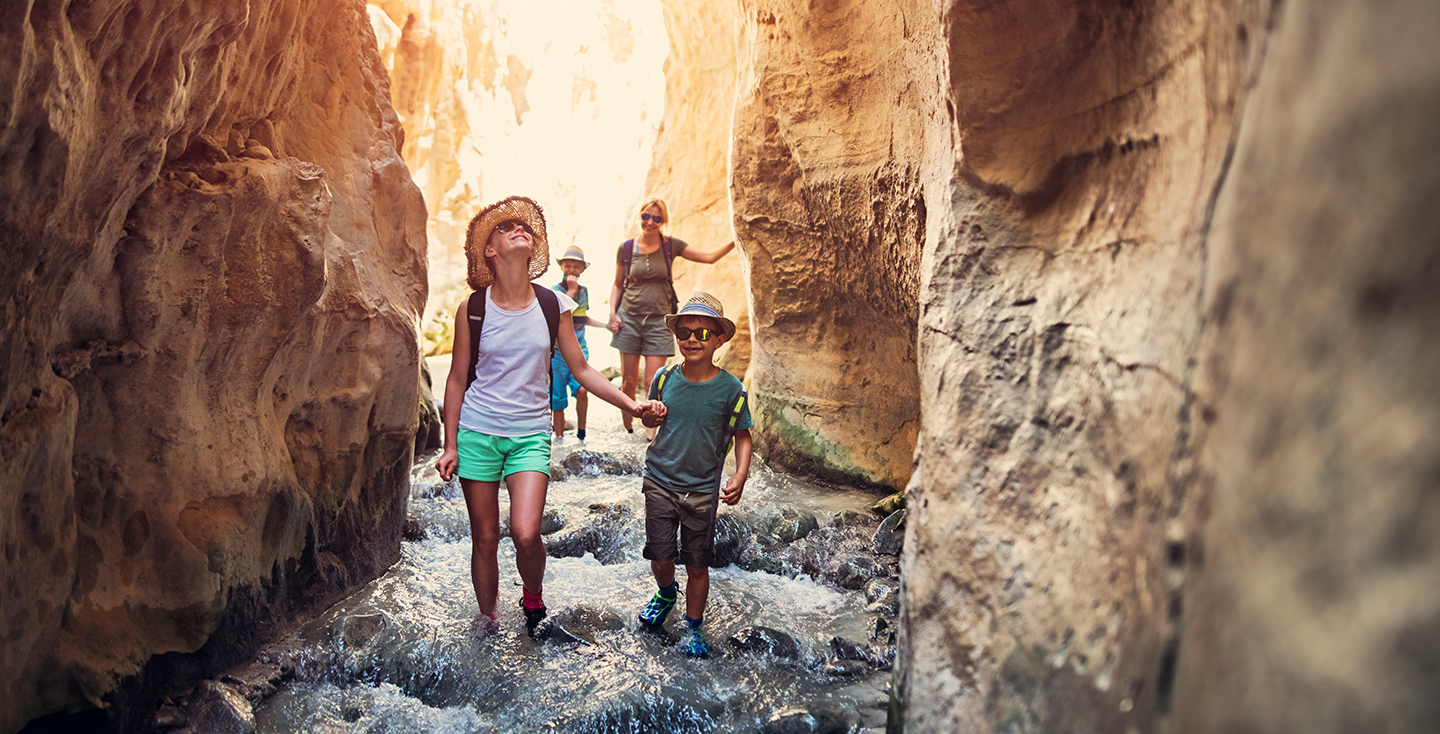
482 502
527 504
697 590
664 572
582 405
558 421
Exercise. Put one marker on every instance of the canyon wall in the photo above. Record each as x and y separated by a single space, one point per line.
215 263
1175 390
691 160
831 134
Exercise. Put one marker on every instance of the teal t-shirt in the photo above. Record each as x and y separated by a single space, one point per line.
685 455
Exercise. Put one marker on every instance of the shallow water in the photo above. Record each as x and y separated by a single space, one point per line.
404 655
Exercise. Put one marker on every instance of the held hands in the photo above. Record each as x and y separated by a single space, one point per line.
614 324
651 413
734 487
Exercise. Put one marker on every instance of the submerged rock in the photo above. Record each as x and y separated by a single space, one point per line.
767 640
790 525
604 532
815 719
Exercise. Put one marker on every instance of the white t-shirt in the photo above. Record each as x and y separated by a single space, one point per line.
510 396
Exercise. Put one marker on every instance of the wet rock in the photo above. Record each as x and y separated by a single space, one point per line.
732 535
852 519
604 532
845 668
757 559
849 649
855 572
890 538
357 632
585 462
883 597
790 525
217 708
413 531
815 719
552 521
890 505
767 640
882 631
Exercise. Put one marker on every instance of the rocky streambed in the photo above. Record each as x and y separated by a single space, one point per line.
804 596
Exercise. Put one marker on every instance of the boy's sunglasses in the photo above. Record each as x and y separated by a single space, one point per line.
646 217
505 227
702 333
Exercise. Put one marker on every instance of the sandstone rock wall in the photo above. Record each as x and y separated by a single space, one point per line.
1178 383
830 140
692 156
214 268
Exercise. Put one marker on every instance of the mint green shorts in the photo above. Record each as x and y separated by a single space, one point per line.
485 458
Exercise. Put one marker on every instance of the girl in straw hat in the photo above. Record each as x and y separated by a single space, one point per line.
644 293
500 425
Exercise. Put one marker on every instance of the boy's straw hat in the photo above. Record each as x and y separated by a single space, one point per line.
572 253
511 207
703 304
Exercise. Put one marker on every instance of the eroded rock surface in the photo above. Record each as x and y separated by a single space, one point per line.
214 266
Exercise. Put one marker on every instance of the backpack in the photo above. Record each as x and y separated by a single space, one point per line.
627 254
737 405
475 310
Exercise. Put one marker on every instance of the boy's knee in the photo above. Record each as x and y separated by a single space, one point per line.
527 540
697 572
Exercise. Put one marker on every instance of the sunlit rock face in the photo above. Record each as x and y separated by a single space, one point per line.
830 137
690 168
214 269
551 99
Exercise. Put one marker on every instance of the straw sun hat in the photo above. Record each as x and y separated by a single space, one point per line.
703 304
477 235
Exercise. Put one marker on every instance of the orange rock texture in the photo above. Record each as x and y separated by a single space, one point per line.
215 262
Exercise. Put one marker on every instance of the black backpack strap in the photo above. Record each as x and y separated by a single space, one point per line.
550 305
475 311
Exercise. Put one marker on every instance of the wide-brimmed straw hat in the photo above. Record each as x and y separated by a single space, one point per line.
518 208
573 253
703 304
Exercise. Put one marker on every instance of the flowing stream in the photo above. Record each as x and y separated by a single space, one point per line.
809 604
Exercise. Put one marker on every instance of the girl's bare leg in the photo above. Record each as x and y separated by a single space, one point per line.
482 503
629 376
527 504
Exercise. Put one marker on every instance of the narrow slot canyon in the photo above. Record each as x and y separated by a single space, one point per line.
1126 310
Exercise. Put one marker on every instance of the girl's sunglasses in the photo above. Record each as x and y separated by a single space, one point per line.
702 333
646 217
505 227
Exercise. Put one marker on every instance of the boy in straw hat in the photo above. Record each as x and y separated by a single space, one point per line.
704 407
497 416
572 264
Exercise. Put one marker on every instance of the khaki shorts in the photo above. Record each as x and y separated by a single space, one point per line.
692 514
644 335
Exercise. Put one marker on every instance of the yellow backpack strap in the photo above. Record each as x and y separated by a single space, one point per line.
660 378
739 407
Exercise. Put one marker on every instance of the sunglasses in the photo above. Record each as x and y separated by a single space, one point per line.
505 227
702 333
656 218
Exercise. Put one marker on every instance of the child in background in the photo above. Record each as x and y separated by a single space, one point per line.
704 406
572 264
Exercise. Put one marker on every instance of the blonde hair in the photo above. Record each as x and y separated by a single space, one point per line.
660 203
